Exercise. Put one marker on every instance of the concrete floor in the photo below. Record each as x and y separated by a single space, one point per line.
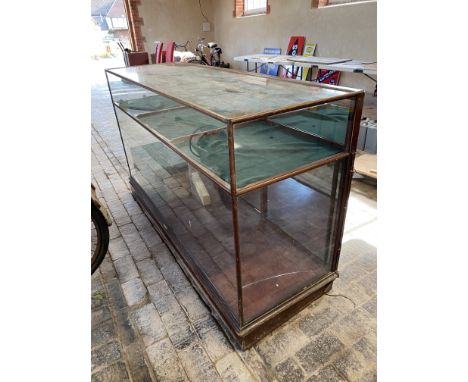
148 323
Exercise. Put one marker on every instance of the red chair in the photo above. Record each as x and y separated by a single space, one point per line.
170 51
161 55
159 52
136 58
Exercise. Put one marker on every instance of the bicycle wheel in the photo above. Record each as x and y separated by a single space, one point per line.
99 237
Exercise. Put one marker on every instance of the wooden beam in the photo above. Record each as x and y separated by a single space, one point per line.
200 189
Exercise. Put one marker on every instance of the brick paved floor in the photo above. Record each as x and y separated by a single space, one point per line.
148 323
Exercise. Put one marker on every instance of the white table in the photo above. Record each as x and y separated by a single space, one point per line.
330 63
352 66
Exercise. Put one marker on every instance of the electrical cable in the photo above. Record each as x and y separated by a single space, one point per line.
341 295
191 138
201 10
258 67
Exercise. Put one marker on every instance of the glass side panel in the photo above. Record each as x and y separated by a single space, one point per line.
179 125
329 121
226 93
125 93
280 144
194 212
287 232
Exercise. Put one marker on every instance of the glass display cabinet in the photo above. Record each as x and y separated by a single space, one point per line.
246 177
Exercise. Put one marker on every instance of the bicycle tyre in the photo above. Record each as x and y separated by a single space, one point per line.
102 233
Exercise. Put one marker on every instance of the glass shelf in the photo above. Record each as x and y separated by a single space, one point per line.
262 149
147 104
326 121
180 122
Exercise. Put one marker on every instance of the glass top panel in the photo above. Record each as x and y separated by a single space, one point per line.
228 94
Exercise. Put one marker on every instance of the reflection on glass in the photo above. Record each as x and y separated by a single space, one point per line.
263 148
125 92
276 145
147 103
195 213
286 229
286 237
180 122
183 127
329 121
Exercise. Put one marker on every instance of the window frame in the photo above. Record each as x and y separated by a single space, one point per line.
240 11
254 11
119 23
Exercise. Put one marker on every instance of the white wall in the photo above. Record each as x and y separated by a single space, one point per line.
174 20
345 31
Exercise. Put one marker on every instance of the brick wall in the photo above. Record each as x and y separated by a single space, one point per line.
134 23
238 8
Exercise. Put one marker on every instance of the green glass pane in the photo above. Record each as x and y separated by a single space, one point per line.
148 103
261 150
180 122
327 121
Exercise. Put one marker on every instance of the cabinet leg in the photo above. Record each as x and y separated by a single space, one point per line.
264 201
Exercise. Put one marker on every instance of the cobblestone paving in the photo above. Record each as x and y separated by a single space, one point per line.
148 323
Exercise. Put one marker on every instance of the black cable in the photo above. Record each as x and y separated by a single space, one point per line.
185 46
191 147
258 67
372 78
341 295
190 141
201 10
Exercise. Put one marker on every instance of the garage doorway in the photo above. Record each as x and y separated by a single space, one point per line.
111 32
